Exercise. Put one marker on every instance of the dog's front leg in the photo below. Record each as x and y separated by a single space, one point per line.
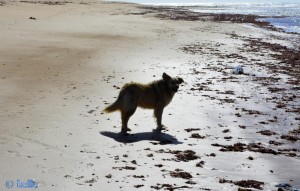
158 115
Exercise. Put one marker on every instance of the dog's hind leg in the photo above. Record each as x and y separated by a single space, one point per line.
125 115
158 114
129 107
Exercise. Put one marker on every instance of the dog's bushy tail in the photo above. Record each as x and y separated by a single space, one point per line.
116 105
113 107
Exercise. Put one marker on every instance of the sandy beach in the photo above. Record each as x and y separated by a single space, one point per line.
63 62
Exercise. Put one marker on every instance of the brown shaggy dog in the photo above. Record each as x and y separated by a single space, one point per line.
155 95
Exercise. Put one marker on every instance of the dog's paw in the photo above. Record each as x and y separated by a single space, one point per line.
161 127
124 133
124 130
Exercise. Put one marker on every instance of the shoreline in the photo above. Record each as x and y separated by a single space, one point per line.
62 63
184 13
232 17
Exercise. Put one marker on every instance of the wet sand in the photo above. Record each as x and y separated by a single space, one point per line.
62 62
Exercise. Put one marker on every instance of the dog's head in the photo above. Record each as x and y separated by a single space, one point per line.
172 83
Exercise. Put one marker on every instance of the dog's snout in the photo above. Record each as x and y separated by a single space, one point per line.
175 88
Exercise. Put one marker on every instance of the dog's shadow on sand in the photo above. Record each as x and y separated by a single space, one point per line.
155 136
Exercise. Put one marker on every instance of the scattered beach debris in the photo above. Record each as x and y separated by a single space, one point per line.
125 168
228 137
271 142
255 147
192 129
159 165
226 131
139 185
190 182
290 138
197 136
90 182
182 156
168 187
267 132
237 147
91 111
46 2
138 176
295 131
200 164
238 70
286 187
178 173
244 183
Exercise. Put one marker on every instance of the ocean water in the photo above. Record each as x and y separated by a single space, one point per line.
283 14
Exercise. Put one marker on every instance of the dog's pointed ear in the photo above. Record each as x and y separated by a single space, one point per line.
166 77
180 80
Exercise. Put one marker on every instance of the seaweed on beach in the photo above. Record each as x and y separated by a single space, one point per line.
290 138
197 136
255 147
276 143
267 132
259 148
46 2
192 129
139 185
287 61
125 168
237 147
178 173
288 58
181 156
252 112
295 131
244 183
200 164
168 187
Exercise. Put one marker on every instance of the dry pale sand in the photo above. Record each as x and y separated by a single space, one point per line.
61 64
